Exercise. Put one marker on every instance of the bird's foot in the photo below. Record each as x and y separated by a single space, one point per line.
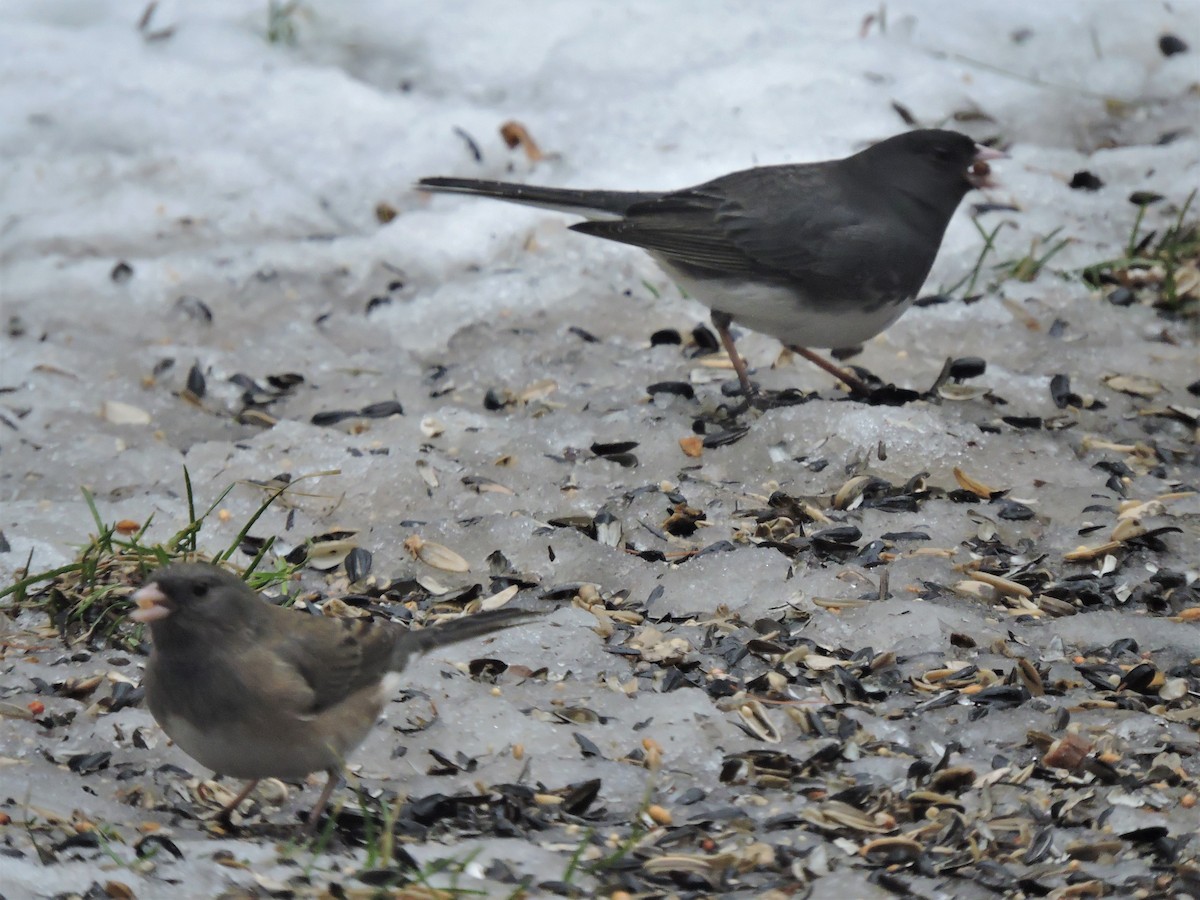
943 377
759 400
766 400
891 395
747 394
871 390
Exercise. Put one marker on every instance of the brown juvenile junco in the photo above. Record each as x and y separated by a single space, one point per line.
253 690
824 254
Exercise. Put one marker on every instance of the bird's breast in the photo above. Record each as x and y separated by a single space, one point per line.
266 742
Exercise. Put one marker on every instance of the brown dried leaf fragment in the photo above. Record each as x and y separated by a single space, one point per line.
517 135
385 212
692 445
1067 752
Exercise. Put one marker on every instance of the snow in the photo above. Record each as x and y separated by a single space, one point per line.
245 176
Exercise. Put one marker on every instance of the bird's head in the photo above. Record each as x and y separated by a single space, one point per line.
937 164
191 593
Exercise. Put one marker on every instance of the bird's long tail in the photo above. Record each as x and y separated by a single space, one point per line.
593 204
412 643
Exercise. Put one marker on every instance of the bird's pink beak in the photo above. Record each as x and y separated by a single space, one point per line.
980 173
152 604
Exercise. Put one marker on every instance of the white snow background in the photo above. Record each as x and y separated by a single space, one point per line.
243 176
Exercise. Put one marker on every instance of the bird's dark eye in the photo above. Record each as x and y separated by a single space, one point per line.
199 589
943 154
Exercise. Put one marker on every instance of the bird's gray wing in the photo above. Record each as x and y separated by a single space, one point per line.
334 657
684 227
777 221
339 657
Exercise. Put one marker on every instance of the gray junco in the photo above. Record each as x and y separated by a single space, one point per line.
824 254
253 690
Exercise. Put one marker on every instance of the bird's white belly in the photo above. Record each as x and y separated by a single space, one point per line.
250 751
776 311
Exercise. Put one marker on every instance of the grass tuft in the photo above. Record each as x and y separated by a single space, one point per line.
88 600
1162 271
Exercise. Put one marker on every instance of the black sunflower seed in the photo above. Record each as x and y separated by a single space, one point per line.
967 367
382 410
285 381
587 747
87 763
358 564
665 336
1022 421
580 796
705 339
1084 180
610 448
151 842
1061 394
196 385
194 308
583 334
726 437
1169 45
332 417
678 388
1013 511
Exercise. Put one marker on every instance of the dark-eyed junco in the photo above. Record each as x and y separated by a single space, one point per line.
253 690
824 254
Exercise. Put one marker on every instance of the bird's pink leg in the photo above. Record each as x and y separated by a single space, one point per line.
315 815
233 804
721 321
836 371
